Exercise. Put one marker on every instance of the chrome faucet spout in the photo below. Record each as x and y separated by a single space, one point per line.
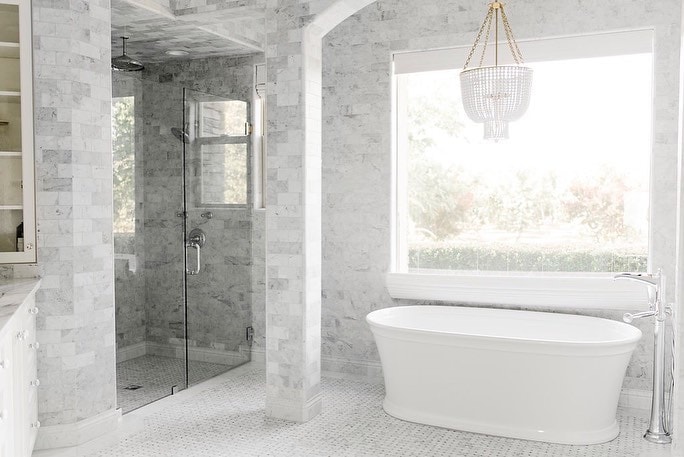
654 283
648 278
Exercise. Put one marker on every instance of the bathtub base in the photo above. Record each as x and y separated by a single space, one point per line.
546 436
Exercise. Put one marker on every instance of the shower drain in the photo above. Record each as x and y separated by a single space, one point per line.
133 387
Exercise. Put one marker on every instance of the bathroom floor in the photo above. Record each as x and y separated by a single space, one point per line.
148 378
225 417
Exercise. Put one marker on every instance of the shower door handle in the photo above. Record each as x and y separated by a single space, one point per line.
198 251
196 240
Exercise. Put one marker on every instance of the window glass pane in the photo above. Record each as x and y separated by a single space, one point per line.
223 118
123 150
224 174
568 191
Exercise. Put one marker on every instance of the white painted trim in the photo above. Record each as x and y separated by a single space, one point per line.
614 43
258 357
545 290
355 370
63 435
197 354
293 410
154 7
635 399
131 352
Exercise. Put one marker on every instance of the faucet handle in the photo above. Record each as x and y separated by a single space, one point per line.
629 317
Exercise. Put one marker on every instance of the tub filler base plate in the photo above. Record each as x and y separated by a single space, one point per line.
546 436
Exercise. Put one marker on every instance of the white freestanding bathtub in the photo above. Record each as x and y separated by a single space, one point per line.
520 374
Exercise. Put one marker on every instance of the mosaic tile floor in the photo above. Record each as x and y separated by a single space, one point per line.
225 417
156 376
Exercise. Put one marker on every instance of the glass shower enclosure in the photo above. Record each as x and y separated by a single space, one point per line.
182 236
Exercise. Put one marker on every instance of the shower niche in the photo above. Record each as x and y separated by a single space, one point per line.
17 196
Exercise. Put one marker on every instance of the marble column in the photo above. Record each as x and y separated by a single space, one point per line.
72 96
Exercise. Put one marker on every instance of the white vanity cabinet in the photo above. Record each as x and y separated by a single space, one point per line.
17 180
18 376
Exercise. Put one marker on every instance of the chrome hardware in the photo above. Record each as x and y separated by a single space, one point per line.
35 345
207 215
35 424
629 317
4 364
181 214
22 335
657 431
33 310
29 246
35 383
196 240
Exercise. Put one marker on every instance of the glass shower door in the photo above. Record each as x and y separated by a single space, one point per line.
148 239
218 253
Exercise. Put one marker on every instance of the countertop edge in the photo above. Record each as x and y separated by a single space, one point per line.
13 294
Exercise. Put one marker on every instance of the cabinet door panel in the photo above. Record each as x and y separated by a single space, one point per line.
17 175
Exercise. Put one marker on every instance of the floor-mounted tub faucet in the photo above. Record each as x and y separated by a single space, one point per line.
657 430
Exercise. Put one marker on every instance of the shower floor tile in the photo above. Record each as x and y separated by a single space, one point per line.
225 417
148 378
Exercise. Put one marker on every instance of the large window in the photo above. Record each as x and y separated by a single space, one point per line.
568 192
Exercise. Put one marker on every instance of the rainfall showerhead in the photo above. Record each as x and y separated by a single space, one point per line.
125 62
181 134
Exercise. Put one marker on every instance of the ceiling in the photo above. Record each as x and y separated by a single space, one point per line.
204 28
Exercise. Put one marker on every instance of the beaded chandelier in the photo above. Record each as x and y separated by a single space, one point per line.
496 95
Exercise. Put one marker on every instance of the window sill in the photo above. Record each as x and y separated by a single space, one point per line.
549 291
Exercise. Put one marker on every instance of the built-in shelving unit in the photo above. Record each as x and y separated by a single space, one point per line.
17 195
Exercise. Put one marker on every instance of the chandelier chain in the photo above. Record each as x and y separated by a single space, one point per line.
488 20
512 44
488 33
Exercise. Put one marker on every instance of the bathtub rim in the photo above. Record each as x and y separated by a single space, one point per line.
507 344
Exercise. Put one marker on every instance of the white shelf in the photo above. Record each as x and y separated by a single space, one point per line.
10 153
10 96
9 50
11 207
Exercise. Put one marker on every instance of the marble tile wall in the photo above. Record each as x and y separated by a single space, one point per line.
163 199
293 208
220 297
72 102
357 145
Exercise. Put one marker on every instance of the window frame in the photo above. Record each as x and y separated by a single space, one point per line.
563 290
202 141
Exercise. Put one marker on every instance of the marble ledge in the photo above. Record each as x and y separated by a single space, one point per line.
13 294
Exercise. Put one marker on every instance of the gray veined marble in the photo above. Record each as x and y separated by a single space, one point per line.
151 317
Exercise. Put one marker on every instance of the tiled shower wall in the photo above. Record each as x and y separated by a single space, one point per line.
219 298
357 146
